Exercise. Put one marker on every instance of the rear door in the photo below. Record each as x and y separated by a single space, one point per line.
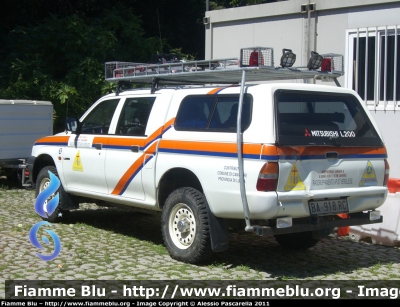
328 149
127 147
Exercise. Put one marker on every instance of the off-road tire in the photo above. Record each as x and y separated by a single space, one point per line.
297 241
185 226
42 182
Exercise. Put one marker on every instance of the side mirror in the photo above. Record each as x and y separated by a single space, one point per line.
72 124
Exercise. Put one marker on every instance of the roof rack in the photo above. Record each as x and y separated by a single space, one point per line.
257 62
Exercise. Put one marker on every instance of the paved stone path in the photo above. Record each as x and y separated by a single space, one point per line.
111 244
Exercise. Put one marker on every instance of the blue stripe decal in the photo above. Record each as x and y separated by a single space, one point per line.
134 175
120 147
157 137
215 154
230 155
270 157
196 152
130 179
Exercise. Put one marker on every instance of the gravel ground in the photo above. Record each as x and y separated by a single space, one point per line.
111 244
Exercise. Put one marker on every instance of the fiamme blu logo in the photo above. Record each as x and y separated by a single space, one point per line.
45 204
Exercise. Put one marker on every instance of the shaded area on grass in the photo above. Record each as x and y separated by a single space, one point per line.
247 252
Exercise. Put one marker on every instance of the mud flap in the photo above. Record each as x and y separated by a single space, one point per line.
219 232
68 202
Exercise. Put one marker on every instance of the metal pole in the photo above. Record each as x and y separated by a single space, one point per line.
309 28
366 68
240 155
394 71
377 71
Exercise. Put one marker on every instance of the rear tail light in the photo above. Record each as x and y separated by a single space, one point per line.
386 177
268 177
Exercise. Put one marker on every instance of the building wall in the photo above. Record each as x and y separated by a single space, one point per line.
282 25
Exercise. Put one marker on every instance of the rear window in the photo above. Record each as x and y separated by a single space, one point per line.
216 113
319 118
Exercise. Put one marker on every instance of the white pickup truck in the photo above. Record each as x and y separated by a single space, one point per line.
289 160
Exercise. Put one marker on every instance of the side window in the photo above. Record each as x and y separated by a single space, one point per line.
134 116
99 119
194 112
212 113
228 108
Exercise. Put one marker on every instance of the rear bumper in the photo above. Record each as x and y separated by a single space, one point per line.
11 163
296 204
317 223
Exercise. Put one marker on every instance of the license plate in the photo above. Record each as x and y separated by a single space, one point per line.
327 207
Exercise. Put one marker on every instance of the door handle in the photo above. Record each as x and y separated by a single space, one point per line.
98 146
135 148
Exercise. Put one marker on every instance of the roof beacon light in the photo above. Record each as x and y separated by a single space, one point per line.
315 61
288 58
256 59
326 64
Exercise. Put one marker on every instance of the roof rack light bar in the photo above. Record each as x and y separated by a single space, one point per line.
257 61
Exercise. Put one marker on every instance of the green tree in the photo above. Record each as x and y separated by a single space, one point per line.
62 59
55 50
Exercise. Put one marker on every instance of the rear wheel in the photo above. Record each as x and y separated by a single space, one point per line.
297 241
42 183
185 226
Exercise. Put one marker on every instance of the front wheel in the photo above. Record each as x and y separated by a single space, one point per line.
185 226
42 183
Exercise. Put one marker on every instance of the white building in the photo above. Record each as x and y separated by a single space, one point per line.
326 26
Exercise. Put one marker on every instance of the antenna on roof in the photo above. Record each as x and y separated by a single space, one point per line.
159 30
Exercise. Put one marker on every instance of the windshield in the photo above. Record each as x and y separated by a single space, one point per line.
320 118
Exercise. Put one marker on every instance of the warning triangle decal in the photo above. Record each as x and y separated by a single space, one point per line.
294 182
369 177
77 166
